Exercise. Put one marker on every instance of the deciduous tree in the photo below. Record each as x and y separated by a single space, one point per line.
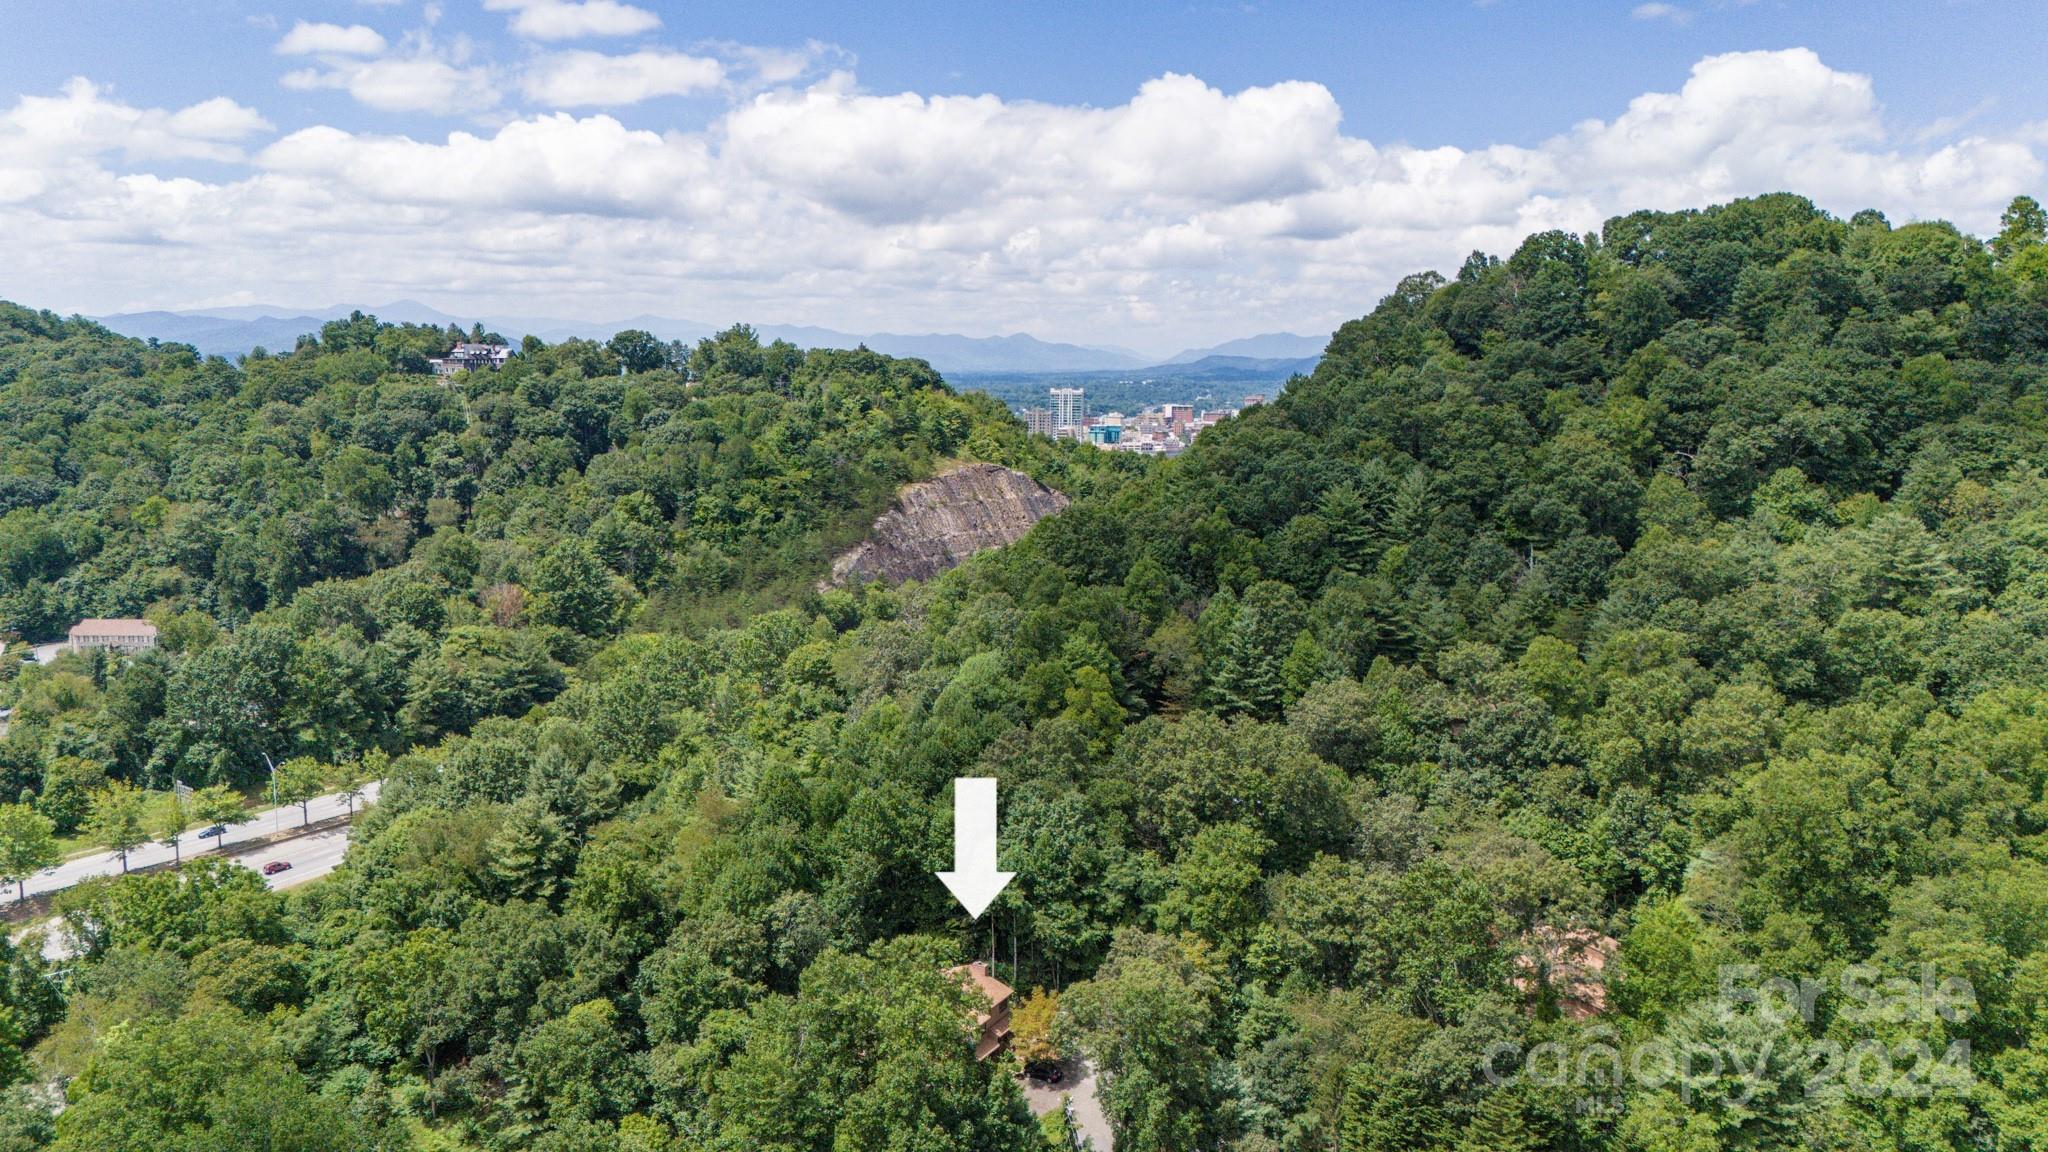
118 821
28 844
219 806
168 815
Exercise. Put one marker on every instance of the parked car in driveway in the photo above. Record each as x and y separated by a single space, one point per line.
276 866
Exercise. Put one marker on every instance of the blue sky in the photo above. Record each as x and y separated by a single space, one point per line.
1145 173
1513 71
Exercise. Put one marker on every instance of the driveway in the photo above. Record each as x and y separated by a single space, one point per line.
1077 1086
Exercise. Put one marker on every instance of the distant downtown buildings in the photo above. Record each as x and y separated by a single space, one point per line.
1159 430
1069 408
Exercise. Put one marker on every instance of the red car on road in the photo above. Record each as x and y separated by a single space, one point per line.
276 866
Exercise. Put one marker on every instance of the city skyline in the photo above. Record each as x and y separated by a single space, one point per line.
1165 428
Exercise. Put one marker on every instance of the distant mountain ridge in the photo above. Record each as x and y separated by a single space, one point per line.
215 335
1228 369
1266 346
234 331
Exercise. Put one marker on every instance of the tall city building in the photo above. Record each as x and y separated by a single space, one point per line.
1038 421
1069 407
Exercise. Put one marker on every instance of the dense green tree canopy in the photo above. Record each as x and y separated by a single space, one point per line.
1620 616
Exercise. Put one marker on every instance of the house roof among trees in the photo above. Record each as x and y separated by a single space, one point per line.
977 973
122 626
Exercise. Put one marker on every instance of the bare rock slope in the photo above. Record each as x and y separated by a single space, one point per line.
939 522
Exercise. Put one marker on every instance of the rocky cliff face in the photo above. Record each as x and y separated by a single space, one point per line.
939 522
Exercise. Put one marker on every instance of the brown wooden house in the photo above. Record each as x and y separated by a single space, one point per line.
992 1028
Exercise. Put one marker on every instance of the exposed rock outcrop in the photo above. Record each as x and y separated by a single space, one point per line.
939 522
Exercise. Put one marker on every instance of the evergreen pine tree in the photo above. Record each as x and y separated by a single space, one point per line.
1354 535
1502 1124
1908 567
1386 1110
1308 663
1251 676
527 851
1413 507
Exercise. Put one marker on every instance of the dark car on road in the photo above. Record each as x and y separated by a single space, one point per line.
276 866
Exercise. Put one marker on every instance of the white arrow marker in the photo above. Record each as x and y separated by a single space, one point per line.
974 880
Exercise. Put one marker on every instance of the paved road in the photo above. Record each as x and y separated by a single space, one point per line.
260 824
310 857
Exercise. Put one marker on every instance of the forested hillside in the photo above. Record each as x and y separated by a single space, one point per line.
1594 638
347 555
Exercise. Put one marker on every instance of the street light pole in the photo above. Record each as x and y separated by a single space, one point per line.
275 815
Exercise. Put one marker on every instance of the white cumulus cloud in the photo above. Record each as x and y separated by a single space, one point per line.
330 39
1660 11
574 19
755 66
1182 214
419 80
550 164
85 120
578 79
